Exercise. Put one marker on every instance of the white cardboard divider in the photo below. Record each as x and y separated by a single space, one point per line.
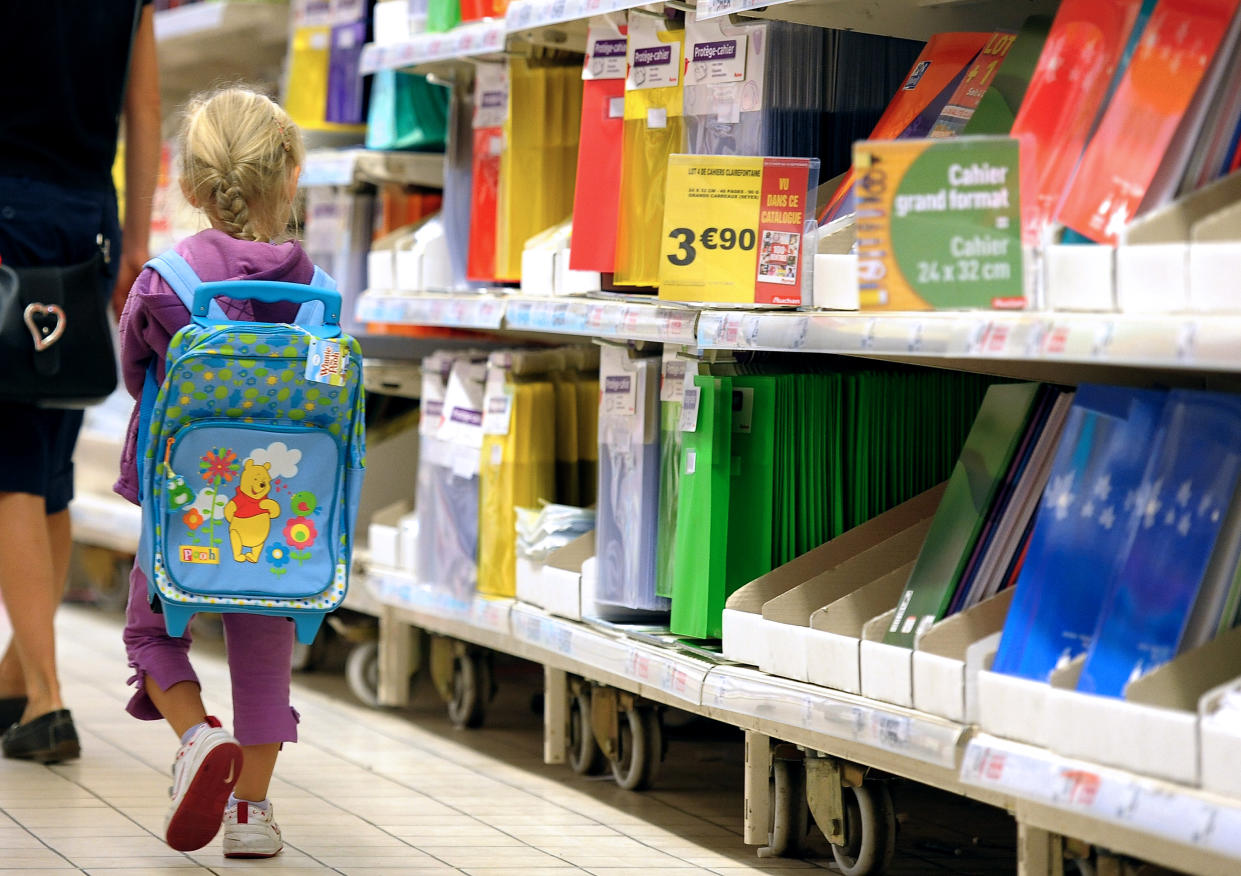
1213 272
383 534
836 282
1016 708
1219 735
1152 278
833 645
944 670
561 584
1081 277
887 670
743 636
1154 730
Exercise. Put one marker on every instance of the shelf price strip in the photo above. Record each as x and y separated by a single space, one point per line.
477 38
1107 795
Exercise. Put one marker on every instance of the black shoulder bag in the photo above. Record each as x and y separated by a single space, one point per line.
55 337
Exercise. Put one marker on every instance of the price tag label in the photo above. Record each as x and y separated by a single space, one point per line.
733 228
689 413
945 226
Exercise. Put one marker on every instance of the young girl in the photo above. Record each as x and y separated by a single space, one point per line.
240 160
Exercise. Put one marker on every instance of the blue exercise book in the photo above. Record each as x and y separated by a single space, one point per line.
1082 529
1181 506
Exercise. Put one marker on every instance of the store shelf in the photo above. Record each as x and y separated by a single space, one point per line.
1186 342
1179 826
468 40
908 743
204 43
346 167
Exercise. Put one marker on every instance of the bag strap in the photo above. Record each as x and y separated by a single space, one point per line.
311 312
180 277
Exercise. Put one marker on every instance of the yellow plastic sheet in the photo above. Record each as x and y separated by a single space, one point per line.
654 129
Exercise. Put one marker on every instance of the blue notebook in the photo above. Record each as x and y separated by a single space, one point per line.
1181 505
1082 530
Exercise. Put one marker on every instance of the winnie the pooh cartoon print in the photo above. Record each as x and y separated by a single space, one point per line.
250 512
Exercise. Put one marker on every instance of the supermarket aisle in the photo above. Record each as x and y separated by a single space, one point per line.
371 792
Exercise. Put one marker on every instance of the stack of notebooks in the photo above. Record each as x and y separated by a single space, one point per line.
1134 557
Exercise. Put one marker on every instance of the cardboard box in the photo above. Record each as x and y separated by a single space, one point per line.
560 589
1154 729
835 281
950 654
1213 271
384 534
742 641
1152 278
1016 708
887 670
571 282
833 644
1080 277
788 615
1219 735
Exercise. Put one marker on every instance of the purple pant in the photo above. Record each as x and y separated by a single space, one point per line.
260 661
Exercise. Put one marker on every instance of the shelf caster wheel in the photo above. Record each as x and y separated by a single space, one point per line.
870 830
362 672
472 688
640 748
790 818
584 755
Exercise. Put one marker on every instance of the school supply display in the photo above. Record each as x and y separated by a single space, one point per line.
406 112
252 453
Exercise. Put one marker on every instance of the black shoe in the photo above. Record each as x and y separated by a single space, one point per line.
49 738
11 711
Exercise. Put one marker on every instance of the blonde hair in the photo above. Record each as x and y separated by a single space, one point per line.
239 151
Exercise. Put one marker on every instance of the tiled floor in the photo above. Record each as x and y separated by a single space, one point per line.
368 791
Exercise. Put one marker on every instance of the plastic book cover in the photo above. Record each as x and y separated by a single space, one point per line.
654 128
490 110
1178 44
628 493
597 190
1082 530
1181 502
998 429
918 102
751 489
1063 102
998 106
701 550
671 391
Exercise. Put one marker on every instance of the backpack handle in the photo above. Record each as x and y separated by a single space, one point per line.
268 291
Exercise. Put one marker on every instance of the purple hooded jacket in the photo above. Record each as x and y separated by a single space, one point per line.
154 313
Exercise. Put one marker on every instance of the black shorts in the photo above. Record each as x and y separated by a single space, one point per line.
45 224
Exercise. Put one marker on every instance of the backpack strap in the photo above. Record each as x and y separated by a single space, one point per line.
180 277
311 313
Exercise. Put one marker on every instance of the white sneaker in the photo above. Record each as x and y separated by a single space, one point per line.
203 776
251 832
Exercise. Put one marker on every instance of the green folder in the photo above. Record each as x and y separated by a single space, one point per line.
750 490
968 497
700 554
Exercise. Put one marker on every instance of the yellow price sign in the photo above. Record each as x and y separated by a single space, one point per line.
733 229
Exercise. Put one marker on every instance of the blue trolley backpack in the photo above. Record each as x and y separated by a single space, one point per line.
251 456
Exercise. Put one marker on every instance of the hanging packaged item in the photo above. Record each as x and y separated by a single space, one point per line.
517 463
443 15
539 156
724 87
306 99
628 497
447 489
458 174
406 112
654 129
490 110
474 10
347 88
597 190
671 391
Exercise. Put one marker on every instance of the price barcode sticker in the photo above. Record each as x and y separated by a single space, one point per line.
689 415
